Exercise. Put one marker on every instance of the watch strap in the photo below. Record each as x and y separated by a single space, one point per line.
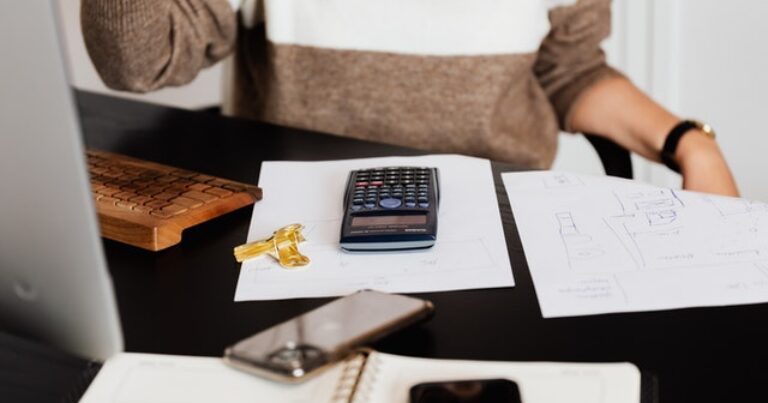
673 139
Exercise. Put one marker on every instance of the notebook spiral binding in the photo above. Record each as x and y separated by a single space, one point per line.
357 378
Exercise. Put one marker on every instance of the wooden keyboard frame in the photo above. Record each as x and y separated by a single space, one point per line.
154 233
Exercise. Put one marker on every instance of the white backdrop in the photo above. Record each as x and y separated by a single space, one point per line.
704 59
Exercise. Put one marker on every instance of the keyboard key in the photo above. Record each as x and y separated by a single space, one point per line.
125 204
165 179
161 213
108 191
156 204
234 188
221 193
124 195
166 195
216 183
150 191
203 178
174 209
109 200
140 199
203 197
187 202
198 186
141 209
183 173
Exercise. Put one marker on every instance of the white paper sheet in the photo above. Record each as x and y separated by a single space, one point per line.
470 251
599 245
155 378
388 378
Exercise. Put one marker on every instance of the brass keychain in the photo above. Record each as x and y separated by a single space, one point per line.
283 245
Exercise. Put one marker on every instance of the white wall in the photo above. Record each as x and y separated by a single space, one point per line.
704 59
723 78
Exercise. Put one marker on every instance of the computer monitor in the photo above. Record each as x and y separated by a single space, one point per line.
54 283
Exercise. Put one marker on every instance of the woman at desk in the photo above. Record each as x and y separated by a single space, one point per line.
495 79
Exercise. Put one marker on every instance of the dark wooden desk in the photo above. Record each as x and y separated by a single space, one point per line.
180 301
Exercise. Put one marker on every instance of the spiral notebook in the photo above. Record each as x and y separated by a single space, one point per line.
368 377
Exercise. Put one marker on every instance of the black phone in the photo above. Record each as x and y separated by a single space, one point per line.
467 391
390 208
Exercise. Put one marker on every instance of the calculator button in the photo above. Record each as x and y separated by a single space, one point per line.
390 203
376 182
424 204
356 207
369 205
370 199
361 184
411 203
423 200
357 201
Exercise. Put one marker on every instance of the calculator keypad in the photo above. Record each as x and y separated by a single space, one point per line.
391 188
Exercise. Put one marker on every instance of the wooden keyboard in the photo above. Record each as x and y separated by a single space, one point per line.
148 205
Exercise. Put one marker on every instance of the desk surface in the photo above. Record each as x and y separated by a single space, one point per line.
180 301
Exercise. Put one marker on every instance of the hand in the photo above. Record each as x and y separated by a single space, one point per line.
703 166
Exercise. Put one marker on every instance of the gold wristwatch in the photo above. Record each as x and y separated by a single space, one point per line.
674 136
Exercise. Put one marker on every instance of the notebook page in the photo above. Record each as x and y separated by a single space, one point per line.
153 378
388 378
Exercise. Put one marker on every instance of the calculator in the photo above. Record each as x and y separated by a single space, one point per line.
390 208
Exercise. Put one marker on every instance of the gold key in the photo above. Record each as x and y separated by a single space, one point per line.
283 245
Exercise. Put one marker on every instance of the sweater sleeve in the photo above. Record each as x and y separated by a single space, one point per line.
143 45
570 59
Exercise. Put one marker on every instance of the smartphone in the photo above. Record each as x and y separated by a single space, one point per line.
390 208
466 391
299 348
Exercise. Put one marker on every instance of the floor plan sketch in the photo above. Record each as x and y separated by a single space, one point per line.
616 245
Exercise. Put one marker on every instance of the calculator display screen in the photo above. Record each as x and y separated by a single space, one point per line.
389 220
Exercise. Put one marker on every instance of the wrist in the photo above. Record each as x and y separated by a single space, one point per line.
670 153
696 148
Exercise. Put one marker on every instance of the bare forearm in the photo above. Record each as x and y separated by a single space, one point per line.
618 110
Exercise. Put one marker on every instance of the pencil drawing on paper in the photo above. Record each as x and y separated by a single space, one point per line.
657 248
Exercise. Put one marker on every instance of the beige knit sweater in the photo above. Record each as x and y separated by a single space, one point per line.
493 78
